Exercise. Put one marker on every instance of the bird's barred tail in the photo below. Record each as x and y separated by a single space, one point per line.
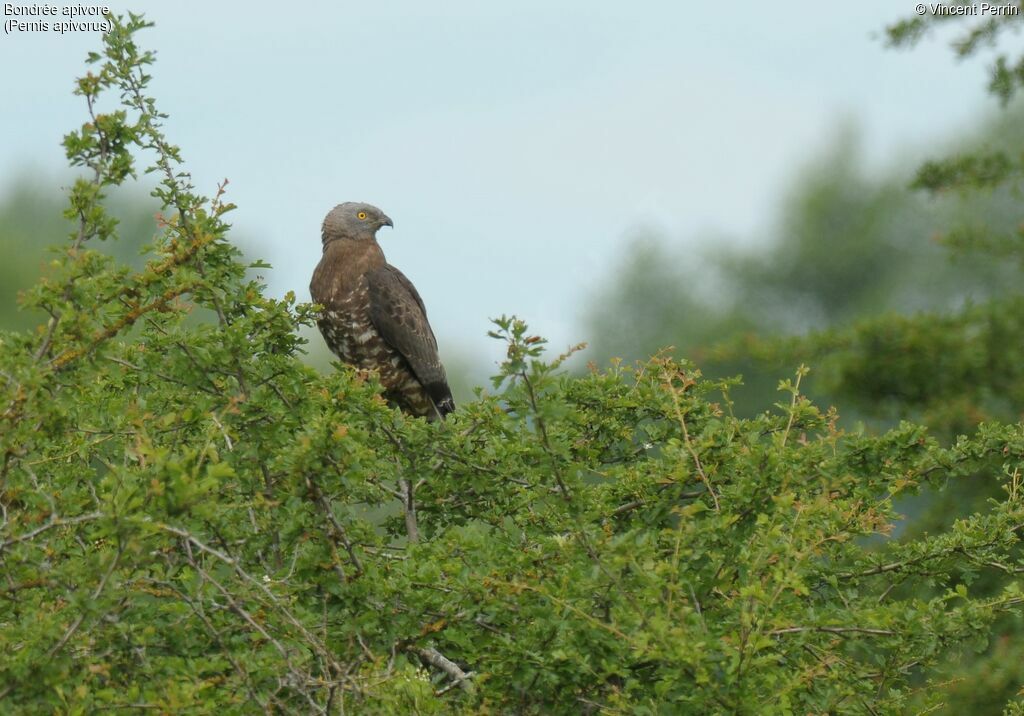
441 395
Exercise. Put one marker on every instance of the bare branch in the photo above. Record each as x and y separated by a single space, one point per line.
409 507
439 661
832 630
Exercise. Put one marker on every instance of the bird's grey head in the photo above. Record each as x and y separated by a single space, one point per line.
353 220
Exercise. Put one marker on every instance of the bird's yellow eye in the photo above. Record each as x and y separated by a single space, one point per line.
361 214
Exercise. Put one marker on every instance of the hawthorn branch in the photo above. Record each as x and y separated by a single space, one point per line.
689 444
70 632
81 237
54 521
630 506
337 532
440 662
269 603
407 490
409 504
545 440
832 630
126 321
235 606
937 555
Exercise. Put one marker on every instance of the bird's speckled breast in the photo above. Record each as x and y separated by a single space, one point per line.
340 285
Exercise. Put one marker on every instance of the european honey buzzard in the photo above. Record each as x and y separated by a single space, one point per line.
373 317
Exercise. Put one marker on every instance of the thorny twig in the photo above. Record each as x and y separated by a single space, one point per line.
439 661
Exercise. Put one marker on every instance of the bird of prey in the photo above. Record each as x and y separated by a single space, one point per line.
373 317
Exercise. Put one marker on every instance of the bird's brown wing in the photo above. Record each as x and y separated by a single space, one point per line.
398 313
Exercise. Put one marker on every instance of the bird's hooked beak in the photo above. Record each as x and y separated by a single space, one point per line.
385 220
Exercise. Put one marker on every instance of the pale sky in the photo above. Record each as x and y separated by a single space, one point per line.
517 146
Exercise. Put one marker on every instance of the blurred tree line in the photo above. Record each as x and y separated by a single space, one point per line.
32 223
848 244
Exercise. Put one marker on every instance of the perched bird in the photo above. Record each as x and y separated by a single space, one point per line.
373 317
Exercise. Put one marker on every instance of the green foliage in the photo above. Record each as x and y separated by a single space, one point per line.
907 303
1006 74
191 520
